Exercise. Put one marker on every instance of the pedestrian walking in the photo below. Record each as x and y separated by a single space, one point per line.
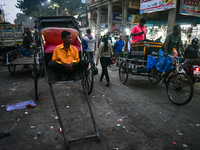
118 49
91 44
104 54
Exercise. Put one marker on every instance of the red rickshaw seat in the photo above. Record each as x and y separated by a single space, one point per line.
52 37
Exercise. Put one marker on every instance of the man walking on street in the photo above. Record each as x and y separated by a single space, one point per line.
118 48
91 44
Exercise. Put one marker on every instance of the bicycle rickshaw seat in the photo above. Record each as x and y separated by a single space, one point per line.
51 37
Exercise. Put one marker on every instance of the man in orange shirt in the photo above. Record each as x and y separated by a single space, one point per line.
139 31
65 59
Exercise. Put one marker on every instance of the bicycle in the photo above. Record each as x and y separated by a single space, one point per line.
179 86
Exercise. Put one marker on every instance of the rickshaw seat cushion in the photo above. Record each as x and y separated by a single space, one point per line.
52 37
49 48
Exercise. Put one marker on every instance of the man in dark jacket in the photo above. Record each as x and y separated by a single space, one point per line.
27 40
192 52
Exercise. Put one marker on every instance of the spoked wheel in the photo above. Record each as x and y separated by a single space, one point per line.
180 89
88 74
35 75
123 72
11 69
154 79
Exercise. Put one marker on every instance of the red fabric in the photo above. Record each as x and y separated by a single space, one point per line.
53 38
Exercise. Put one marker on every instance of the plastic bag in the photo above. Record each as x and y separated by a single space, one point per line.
151 62
164 63
21 105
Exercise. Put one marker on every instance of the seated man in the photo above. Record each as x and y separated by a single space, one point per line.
192 52
25 49
65 59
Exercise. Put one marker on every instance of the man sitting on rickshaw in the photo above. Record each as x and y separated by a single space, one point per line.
65 60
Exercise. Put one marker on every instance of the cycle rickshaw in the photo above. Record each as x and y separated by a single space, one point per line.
179 86
49 31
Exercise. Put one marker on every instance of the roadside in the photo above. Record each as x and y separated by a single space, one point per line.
134 116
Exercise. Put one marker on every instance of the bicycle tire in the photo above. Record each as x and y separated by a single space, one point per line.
183 89
123 72
89 74
155 79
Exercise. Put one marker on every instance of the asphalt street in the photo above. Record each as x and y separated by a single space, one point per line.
133 116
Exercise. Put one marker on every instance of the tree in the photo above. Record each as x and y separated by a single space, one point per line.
36 8
25 20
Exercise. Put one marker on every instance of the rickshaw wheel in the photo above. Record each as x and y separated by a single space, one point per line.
11 69
88 73
123 71
180 89
155 79
35 76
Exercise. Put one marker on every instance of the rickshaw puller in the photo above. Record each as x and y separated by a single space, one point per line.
65 59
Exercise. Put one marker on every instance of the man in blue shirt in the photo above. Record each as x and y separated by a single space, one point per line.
119 46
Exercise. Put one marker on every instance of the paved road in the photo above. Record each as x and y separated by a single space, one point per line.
150 120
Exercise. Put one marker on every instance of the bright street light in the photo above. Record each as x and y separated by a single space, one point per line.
55 6
49 1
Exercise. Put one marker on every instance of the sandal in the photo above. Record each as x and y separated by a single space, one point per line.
108 84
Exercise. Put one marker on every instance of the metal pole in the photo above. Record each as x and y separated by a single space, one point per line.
86 16
57 11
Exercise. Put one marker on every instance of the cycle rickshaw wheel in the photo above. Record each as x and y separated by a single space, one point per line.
153 79
88 73
180 89
11 69
35 76
123 72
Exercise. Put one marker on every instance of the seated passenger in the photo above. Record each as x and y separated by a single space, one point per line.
65 59
25 49
192 52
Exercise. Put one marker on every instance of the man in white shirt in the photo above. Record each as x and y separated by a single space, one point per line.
91 44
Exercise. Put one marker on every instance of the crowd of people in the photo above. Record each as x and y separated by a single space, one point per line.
65 61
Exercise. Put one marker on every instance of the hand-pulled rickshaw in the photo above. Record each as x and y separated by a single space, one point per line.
179 86
49 31
17 57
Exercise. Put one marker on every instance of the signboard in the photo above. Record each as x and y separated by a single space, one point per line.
83 1
8 28
147 6
88 1
117 17
190 7
134 4
131 19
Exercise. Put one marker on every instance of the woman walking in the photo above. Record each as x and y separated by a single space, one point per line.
105 54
